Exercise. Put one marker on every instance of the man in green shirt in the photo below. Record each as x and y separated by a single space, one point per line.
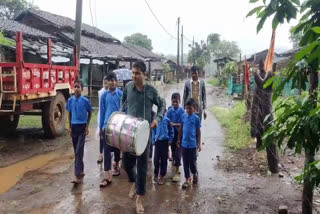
138 98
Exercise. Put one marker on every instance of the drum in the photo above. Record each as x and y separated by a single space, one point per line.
127 133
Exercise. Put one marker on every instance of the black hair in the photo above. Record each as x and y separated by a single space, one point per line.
175 96
140 65
192 102
194 69
104 78
79 82
112 76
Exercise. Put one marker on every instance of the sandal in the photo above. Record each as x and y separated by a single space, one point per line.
140 210
195 178
75 181
105 183
115 172
99 161
132 193
161 181
185 185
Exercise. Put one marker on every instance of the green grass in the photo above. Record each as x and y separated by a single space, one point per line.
213 81
30 122
238 132
35 121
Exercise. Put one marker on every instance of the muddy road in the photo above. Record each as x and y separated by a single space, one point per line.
41 184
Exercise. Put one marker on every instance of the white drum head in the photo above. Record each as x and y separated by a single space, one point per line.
142 137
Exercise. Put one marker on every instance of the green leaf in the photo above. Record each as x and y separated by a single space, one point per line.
261 23
269 82
255 10
253 1
316 30
297 2
275 22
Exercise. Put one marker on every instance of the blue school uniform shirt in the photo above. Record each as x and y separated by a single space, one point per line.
110 102
164 130
190 125
175 115
154 132
79 108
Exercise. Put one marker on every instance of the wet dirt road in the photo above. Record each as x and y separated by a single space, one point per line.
48 189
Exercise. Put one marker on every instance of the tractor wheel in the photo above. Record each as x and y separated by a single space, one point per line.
54 116
9 124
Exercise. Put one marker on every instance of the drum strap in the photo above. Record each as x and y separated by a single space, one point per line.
144 102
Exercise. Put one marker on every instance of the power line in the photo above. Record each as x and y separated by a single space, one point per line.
159 21
92 21
187 38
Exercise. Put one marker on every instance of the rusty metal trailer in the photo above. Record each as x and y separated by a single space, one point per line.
36 89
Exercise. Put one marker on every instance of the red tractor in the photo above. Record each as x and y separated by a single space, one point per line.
35 89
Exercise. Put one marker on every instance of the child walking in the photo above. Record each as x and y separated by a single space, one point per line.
175 114
110 103
163 138
191 140
100 93
79 109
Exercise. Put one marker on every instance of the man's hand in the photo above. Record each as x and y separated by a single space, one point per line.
178 143
87 130
101 133
154 124
205 115
199 147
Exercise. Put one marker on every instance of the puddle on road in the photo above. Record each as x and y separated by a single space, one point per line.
10 175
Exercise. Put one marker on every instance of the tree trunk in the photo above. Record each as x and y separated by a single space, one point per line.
307 193
273 158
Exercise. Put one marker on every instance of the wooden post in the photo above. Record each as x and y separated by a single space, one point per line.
77 33
178 51
149 65
90 79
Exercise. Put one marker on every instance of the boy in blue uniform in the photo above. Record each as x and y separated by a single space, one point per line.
100 93
163 139
191 140
175 114
110 103
79 109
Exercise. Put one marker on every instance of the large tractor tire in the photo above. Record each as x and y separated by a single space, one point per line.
54 116
8 124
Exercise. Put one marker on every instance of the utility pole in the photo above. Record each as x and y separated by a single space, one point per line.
182 50
178 52
77 33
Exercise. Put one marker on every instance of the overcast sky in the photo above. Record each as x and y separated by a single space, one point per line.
199 18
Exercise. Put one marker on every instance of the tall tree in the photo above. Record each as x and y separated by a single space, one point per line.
213 38
139 39
225 49
199 55
295 38
300 114
9 9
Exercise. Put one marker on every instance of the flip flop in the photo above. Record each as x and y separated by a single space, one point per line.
185 185
105 183
140 211
195 178
100 161
116 172
75 182
161 181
